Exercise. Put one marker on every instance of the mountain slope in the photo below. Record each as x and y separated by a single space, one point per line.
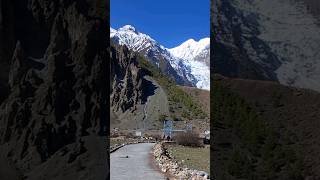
132 92
157 54
141 94
201 96
264 137
183 71
266 40
196 55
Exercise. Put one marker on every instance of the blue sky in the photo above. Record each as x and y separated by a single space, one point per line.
170 22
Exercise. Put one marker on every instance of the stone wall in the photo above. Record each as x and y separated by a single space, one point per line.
168 165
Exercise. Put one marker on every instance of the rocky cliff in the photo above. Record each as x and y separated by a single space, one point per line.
53 89
267 40
126 79
132 90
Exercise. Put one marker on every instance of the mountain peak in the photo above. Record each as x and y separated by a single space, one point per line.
191 43
185 68
112 30
128 28
191 48
191 40
205 40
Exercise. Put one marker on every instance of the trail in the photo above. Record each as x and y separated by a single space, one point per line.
132 162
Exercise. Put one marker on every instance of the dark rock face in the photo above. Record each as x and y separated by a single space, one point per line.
256 40
7 44
234 40
127 80
53 84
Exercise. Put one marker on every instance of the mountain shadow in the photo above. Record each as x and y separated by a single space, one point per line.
53 89
148 90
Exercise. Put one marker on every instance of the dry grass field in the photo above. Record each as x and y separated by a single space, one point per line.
191 157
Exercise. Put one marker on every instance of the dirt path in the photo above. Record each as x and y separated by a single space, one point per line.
132 162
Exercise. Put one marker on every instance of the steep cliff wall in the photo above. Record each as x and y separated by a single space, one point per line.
267 40
53 87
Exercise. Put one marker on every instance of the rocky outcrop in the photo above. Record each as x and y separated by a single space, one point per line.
54 107
126 79
256 40
236 48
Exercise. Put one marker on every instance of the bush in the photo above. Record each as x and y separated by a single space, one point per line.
162 117
185 114
188 139
174 118
129 135
156 137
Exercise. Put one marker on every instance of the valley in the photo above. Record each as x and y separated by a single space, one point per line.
138 78
152 85
150 93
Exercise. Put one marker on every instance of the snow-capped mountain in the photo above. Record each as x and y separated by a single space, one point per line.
267 39
197 56
184 71
134 40
193 50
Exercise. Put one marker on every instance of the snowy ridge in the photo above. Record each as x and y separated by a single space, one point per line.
185 65
127 35
191 48
196 55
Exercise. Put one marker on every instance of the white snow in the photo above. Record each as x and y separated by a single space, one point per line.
292 33
129 36
191 48
190 59
196 55
202 73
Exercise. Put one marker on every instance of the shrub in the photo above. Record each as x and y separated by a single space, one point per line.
188 139
174 118
162 117
129 135
185 114
156 137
